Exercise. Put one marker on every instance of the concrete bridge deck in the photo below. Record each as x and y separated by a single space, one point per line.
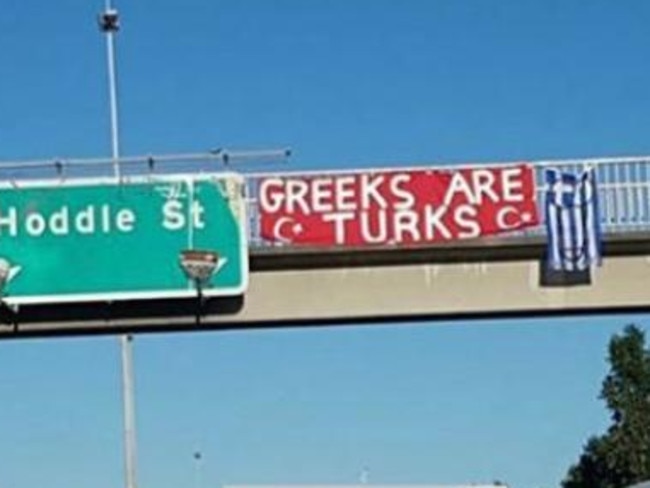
306 287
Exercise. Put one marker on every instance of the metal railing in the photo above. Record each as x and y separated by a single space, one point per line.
623 191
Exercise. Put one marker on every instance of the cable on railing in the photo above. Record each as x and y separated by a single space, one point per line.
224 156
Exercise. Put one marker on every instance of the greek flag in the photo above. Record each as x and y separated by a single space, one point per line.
572 222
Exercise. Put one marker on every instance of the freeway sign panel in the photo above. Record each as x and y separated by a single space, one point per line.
89 240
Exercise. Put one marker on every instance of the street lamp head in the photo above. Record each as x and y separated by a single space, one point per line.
109 20
199 265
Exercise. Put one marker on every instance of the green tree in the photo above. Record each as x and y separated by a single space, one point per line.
621 456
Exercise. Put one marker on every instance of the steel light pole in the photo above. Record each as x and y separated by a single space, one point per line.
198 459
109 24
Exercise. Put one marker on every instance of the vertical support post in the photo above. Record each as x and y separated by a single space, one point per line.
126 346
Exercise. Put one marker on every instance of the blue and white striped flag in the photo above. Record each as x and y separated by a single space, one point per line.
572 222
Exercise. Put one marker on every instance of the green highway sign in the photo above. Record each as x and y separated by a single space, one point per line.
102 240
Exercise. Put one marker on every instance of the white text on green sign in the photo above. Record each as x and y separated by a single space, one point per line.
89 240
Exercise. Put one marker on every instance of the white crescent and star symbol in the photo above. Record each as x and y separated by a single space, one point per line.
510 218
287 229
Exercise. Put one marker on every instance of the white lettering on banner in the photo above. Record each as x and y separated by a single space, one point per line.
374 231
297 196
483 183
344 194
458 186
332 194
326 195
433 222
339 220
406 222
271 201
404 225
321 195
400 206
466 219
512 185
370 191
406 198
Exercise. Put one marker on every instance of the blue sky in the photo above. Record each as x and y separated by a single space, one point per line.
346 83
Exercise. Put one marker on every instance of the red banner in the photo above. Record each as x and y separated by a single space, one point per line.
392 207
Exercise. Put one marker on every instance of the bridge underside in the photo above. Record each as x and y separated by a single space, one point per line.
300 288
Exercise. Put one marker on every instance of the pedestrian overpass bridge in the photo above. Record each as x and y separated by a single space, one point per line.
488 277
